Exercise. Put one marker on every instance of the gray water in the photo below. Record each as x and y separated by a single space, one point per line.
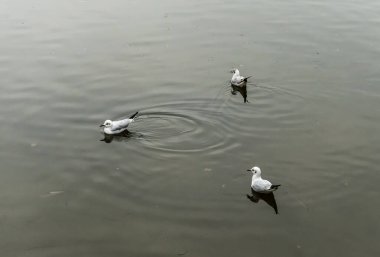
176 185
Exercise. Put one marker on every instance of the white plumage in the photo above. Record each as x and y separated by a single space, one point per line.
118 126
261 185
236 79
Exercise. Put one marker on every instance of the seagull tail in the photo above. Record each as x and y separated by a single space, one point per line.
133 116
246 79
274 187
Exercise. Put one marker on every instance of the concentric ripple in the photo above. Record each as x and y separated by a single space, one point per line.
178 127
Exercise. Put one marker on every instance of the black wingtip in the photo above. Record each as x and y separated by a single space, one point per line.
134 115
246 79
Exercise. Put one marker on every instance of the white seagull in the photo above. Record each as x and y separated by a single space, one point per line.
261 185
238 80
117 126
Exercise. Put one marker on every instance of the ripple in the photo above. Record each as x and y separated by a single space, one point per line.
183 127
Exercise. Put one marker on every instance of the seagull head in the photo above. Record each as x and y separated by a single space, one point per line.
107 124
256 171
235 71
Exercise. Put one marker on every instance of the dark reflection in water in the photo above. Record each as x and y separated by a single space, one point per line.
241 89
125 135
268 198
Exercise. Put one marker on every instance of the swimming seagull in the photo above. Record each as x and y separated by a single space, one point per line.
117 126
261 185
238 80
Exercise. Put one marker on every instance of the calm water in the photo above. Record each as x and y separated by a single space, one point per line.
177 184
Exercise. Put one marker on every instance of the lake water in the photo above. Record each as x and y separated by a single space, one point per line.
176 185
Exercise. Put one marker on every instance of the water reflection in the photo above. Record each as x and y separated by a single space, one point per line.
125 135
268 198
241 89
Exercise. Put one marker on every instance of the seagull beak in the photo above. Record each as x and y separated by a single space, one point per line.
249 170
102 125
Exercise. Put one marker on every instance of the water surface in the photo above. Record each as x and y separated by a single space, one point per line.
176 184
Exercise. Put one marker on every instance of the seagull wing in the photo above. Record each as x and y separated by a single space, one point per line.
261 185
120 125
237 80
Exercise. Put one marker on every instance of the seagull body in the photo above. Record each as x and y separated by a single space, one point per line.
238 80
261 185
117 126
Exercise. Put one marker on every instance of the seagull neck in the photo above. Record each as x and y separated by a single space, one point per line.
256 176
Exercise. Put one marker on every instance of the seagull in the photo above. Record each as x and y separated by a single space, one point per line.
117 126
261 185
238 80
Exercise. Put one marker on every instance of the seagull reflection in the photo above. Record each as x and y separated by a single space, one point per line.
108 138
268 198
241 89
